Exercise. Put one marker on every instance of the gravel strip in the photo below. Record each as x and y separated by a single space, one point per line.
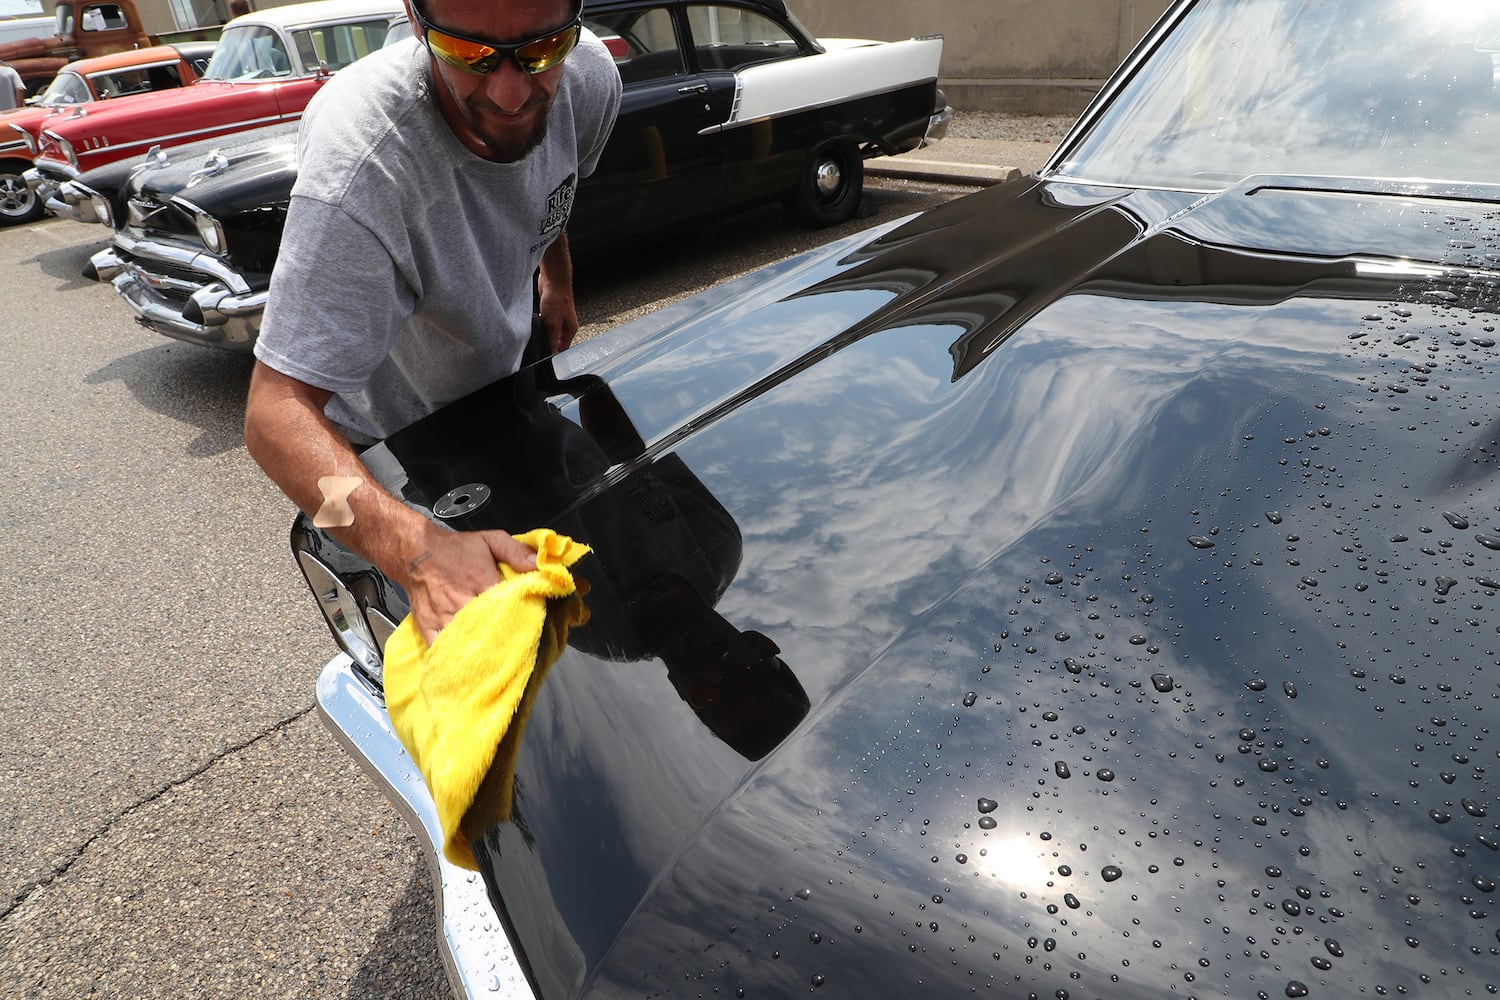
1008 127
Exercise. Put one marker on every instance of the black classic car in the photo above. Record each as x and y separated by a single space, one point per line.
726 103
1089 588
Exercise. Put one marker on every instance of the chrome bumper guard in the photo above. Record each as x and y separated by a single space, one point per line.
218 311
479 957
62 198
937 125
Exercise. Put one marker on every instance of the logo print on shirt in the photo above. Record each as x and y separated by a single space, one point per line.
559 205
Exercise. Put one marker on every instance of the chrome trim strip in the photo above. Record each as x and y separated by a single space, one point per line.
731 123
475 947
180 137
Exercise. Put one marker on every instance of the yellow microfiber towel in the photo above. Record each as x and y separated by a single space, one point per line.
453 703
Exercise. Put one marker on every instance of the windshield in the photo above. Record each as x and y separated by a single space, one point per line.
249 52
1370 88
65 88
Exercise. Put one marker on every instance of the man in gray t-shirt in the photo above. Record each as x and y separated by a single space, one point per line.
435 178
12 89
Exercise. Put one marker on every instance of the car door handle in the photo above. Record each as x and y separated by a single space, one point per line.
695 88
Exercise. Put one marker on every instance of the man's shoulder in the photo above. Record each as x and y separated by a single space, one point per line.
391 75
358 113
593 63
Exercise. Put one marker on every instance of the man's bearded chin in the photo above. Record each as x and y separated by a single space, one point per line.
507 145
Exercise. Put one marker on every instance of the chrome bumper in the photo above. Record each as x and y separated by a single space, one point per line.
937 125
479 957
217 311
63 198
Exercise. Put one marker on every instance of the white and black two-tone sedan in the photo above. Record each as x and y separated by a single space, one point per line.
727 103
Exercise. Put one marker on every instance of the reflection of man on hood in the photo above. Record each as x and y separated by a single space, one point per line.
664 552
664 549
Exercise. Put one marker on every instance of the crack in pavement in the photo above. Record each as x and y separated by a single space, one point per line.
66 866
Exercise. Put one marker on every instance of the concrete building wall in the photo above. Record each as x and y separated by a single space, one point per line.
1025 56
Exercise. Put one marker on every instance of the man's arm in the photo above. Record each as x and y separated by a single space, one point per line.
555 291
440 570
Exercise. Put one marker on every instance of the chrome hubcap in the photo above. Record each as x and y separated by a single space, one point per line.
828 178
15 196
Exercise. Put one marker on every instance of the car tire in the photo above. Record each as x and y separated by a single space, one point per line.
833 178
18 203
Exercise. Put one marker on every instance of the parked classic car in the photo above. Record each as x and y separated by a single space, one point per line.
1126 535
266 68
160 67
726 103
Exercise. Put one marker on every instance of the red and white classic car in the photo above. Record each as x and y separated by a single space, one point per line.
83 81
266 68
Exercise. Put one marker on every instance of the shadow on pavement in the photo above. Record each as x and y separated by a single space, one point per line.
405 964
66 262
197 386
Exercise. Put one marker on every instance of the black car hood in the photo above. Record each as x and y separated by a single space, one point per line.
231 174
1131 566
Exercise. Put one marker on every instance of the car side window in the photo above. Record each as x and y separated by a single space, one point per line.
731 38
338 45
65 88
644 43
137 81
249 52
103 17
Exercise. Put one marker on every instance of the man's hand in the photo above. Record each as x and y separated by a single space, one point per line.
441 570
453 569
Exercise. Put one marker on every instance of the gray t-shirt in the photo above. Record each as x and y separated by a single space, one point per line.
10 82
403 281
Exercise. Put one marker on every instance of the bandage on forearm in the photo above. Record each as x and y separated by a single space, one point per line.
336 512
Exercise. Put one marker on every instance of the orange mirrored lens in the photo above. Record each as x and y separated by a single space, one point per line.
476 57
542 55
459 51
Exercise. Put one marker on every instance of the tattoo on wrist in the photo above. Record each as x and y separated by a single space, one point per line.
412 566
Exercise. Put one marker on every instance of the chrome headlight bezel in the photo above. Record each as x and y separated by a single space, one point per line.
209 230
69 153
103 210
27 139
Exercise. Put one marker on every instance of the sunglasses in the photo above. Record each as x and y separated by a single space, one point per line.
533 56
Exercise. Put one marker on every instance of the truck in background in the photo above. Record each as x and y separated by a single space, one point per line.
15 28
85 28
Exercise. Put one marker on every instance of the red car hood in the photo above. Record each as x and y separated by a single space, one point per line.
130 126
